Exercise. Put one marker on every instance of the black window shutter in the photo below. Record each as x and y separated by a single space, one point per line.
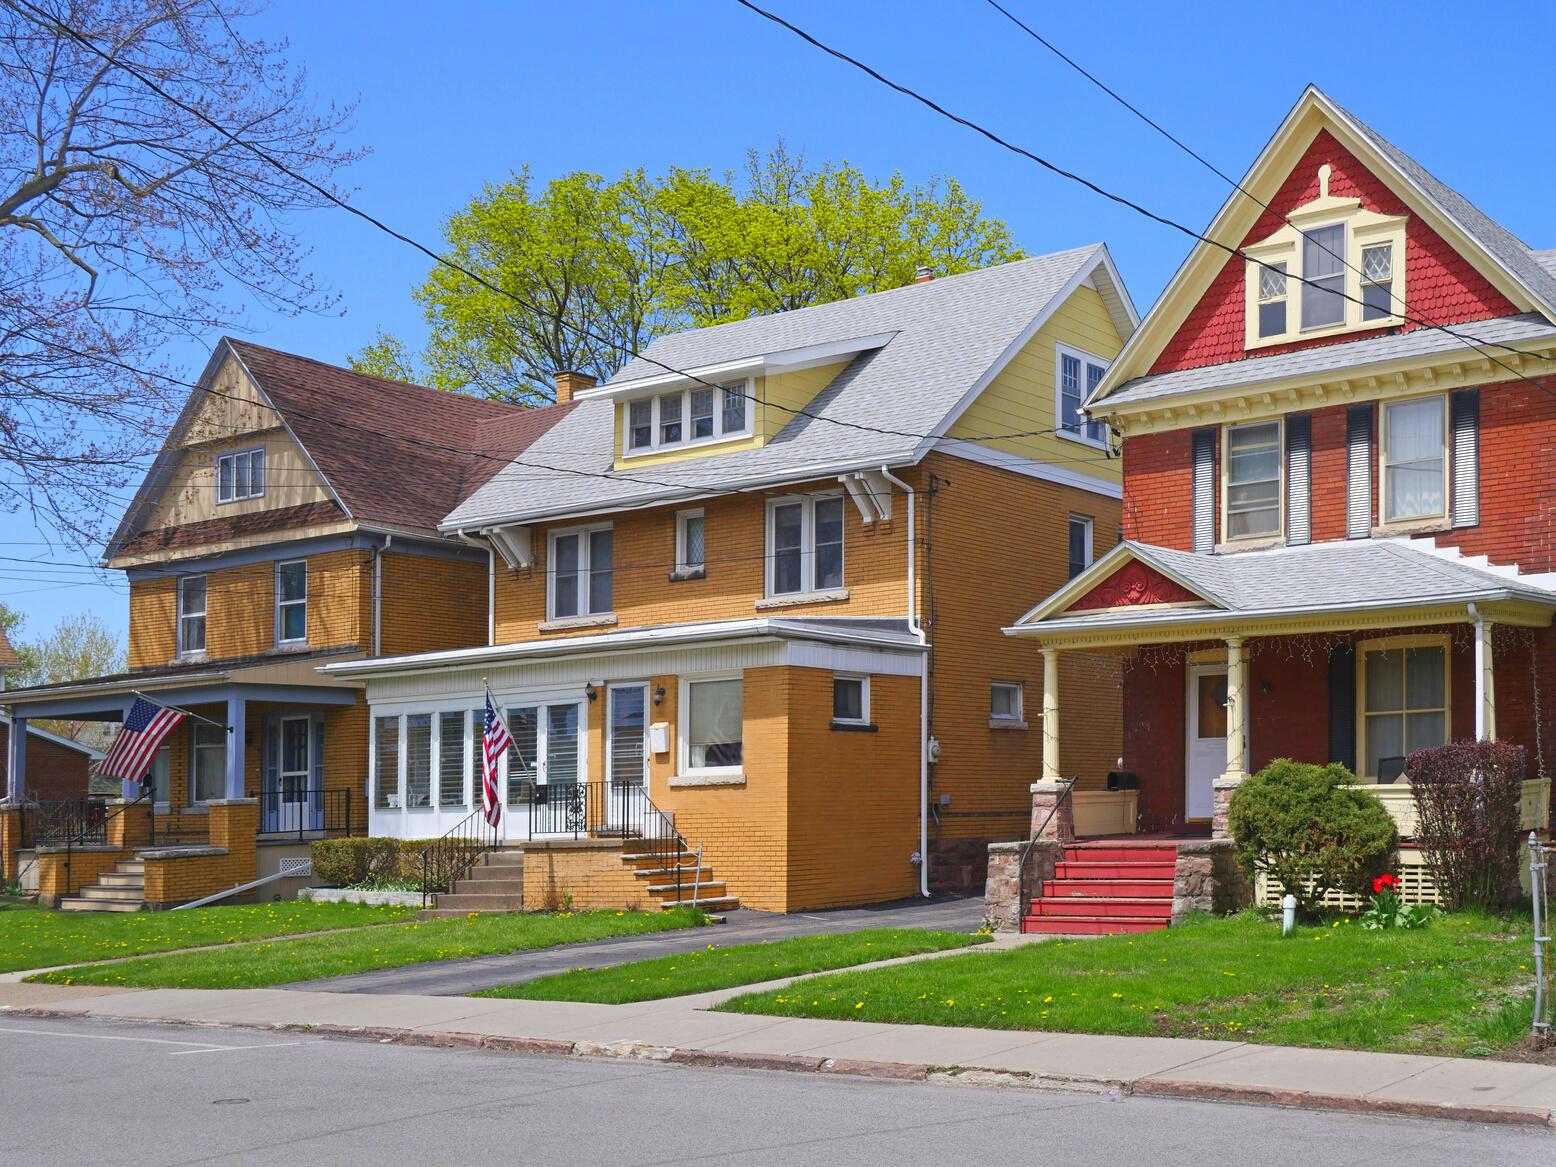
1342 706
1358 472
1204 491
1299 478
1466 458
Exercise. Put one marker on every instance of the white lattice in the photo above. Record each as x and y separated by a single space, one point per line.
1272 282
1378 264
296 866
1416 886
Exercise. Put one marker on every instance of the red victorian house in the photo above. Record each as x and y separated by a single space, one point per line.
1339 436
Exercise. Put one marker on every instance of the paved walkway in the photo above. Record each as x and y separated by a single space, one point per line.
679 1031
455 978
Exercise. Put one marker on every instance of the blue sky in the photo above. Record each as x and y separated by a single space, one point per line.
462 93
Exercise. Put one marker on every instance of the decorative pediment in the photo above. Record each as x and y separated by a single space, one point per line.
1133 585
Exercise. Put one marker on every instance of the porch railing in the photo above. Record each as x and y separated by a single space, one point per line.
1022 898
450 858
51 823
305 812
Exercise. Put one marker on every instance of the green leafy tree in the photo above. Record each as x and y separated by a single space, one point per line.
11 622
80 646
385 356
591 270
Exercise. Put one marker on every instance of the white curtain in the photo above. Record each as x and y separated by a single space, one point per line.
1414 460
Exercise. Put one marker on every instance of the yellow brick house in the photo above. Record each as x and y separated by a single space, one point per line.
753 587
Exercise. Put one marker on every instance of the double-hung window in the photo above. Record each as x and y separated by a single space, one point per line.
1377 281
1253 481
1080 544
581 572
1272 300
240 475
712 726
292 602
805 544
1414 464
686 417
207 762
1323 270
191 615
1078 374
1404 698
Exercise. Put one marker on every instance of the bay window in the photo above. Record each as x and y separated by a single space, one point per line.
686 417
1414 462
805 544
581 572
1404 706
712 726
1253 486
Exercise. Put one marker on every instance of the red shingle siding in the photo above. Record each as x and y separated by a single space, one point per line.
1441 286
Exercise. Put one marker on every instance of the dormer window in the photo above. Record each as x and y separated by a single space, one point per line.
686 417
1344 264
1078 374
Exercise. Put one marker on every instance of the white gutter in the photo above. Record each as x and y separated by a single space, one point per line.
923 684
491 584
378 593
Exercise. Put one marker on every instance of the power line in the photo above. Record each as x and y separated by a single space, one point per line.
1479 345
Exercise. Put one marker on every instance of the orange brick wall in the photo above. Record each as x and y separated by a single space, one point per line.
736 525
587 873
177 880
58 877
431 604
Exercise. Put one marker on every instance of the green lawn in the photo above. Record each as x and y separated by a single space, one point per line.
720 968
276 963
1459 986
34 937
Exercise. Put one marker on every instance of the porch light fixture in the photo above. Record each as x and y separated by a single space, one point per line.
590 691
659 694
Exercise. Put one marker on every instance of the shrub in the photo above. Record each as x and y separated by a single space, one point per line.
1469 798
353 861
1311 828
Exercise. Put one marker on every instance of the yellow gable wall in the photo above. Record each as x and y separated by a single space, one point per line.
234 418
1022 398
777 398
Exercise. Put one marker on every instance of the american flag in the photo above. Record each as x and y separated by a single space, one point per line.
139 738
495 741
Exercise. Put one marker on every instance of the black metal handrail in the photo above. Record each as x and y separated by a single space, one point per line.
96 833
609 810
450 858
305 811
1026 852
50 822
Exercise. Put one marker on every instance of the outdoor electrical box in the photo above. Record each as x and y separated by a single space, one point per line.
659 737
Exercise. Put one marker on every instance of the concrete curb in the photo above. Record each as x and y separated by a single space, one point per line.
987 1076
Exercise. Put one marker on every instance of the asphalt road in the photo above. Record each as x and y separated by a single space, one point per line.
455 978
90 1092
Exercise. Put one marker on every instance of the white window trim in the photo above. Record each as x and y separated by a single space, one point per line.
1060 352
1443 515
682 567
396 801
464 756
1364 716
1019 718
282 641
190 794
864 699
585 612
1090 524
1272 537
191 653
747 387
807 549
683 715
233 456
432 761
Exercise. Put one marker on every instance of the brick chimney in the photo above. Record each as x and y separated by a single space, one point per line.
923 275
569 383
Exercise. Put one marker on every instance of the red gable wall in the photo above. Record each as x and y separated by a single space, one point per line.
1440 285
1134 583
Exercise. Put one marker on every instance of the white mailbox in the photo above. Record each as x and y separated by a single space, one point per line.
659 737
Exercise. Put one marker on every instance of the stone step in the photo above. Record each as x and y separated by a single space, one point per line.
1089 870
490 887
711 904
1111 888
123 879
77 904
462 902
1090 925
97 891
1153 909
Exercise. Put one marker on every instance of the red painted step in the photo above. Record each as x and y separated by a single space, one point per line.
1085 869
1090 925
1154 909
1129 888
1112 853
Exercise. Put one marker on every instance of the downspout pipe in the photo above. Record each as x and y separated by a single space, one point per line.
1480 671
378 595
491 583
923 682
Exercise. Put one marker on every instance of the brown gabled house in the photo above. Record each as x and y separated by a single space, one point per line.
290 519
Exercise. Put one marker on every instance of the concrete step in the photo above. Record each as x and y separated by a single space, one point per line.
99 892
500 872
1089 870
123 879
490 887
707 888
667 874
1091 906
463 902
667 858
709 904
77 904
502 857
1090 925
131 867
1112 888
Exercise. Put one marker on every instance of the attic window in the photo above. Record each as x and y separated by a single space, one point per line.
686 417
240 475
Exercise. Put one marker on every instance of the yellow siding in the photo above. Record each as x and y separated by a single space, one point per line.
1021 399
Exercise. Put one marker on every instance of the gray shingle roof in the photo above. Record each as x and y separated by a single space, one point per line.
1361 573
948 332
1353 356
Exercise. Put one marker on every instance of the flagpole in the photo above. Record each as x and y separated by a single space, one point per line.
180 709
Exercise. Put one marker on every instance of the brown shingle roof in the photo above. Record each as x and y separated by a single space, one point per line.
394 452
227 527
8 657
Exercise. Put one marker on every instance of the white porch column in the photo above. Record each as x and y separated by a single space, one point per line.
1236 709
1485 683
1051 715
16 763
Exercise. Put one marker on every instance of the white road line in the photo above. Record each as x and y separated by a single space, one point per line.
197 1047
221 1049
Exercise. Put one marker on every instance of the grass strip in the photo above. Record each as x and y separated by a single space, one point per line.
252 966
34 937
1461 986
716 967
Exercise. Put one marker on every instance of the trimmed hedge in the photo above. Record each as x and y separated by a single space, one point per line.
350 861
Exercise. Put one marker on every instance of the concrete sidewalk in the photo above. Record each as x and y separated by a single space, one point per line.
679 1031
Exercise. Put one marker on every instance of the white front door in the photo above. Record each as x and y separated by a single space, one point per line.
287 801
1206 759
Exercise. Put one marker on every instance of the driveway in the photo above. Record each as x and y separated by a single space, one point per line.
454 978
